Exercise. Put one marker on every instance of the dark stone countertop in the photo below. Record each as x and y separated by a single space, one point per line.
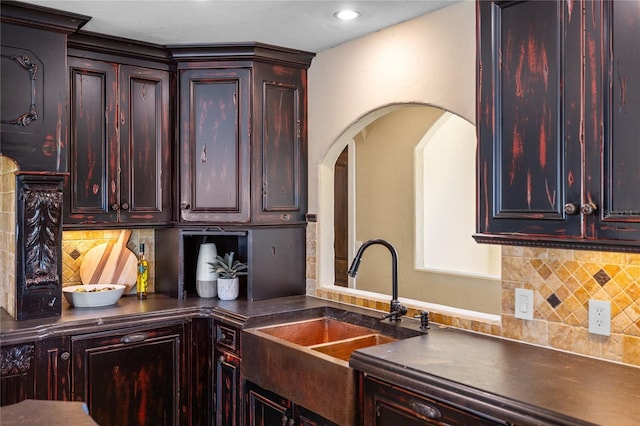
514 381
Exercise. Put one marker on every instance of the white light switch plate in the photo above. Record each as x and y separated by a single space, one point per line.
524 304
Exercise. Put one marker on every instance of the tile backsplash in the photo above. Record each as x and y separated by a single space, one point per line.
75 244
8 234
563 281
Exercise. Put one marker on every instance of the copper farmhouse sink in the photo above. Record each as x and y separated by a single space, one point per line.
307 361
316 331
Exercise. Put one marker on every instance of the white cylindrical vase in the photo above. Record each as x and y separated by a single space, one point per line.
228 288
206 278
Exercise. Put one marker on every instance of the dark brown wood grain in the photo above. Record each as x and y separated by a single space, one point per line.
558 152
37 140
119 146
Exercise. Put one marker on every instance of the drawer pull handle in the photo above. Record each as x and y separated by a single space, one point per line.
425 410
134 338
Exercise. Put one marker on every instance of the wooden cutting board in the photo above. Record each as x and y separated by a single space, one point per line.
110 263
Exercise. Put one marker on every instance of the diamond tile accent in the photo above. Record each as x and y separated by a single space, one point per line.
553 300
75 254
602 277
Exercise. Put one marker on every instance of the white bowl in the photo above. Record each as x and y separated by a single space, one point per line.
91 295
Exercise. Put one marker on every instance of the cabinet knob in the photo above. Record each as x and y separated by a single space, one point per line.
571 208
185 206
221 358
286 421
125 206
65 356
588 209
115 207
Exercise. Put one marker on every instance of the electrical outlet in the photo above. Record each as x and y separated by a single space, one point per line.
600 317
524 304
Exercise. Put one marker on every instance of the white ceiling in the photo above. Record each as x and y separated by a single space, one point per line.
299 24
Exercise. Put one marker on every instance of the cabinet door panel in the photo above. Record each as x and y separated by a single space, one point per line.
280 172
613 134
17 378
265 408
93 178
528 118
133 379
227 389
145 148
215 145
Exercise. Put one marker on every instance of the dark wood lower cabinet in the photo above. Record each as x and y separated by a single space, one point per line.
228 395
390 405
17 378
265 408
134 376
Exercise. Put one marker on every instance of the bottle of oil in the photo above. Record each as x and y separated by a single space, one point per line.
143 275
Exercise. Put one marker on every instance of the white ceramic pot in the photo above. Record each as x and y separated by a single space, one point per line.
228 288
206 279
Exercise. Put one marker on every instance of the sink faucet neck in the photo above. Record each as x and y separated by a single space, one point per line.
397 309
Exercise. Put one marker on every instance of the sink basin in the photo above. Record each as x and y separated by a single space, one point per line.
307 361
316 331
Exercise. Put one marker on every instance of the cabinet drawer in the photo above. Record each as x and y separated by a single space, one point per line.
389 404
227 337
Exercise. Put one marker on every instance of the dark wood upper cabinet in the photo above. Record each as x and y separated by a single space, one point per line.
119 144
279 165
33 115
214 147
243 134
558 152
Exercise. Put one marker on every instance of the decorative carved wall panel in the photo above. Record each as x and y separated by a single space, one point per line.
39 245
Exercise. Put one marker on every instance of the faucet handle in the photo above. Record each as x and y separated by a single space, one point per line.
424 320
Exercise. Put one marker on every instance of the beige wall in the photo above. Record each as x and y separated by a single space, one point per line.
429 60
386 209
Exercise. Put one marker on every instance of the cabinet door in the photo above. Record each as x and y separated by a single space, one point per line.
265 408
280 136
528 118
33 78
134 377
53 369
612 127
92 185
145 177
17 378
214 145
228 400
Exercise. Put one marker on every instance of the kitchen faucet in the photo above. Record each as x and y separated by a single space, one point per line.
397 309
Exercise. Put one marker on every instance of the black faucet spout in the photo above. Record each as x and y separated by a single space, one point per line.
397 309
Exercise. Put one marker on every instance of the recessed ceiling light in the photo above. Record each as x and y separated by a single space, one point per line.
347 14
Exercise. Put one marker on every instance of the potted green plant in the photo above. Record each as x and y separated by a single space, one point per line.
228 271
